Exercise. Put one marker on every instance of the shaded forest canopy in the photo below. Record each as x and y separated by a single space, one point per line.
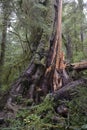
43 66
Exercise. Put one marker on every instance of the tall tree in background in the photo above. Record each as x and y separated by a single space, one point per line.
6 13
80 6
73 26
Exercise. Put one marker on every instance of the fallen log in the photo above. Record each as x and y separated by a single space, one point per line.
79 66
66 91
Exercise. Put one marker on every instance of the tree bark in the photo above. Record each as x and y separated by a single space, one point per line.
68 46
80 4
69 90
6 13
79 66
56 66
37 76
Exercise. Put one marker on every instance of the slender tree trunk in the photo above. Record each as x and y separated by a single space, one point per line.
80 4
82 37
3 43
5 9
69 48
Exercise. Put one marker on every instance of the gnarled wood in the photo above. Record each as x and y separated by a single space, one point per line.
65 92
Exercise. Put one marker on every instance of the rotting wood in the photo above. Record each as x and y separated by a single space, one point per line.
65 93
79 65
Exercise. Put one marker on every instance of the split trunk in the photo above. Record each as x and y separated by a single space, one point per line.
40 79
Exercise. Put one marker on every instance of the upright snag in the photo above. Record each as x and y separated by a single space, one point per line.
57 64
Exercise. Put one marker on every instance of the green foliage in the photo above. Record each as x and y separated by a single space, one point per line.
31 24
38 117
4 88
78 108
79 56
74 19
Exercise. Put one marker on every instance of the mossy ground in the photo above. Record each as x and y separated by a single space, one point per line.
42 116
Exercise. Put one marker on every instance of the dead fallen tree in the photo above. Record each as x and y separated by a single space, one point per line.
69 90
79 66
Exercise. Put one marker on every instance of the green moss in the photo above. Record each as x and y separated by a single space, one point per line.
78 108
38 117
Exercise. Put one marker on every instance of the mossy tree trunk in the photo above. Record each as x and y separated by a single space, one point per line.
6 12
46 72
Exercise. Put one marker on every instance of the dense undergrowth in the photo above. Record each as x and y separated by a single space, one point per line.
45 117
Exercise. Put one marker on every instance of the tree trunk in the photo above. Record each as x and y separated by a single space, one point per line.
69 90
80 4
39 79
5 9
79 66
68 46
